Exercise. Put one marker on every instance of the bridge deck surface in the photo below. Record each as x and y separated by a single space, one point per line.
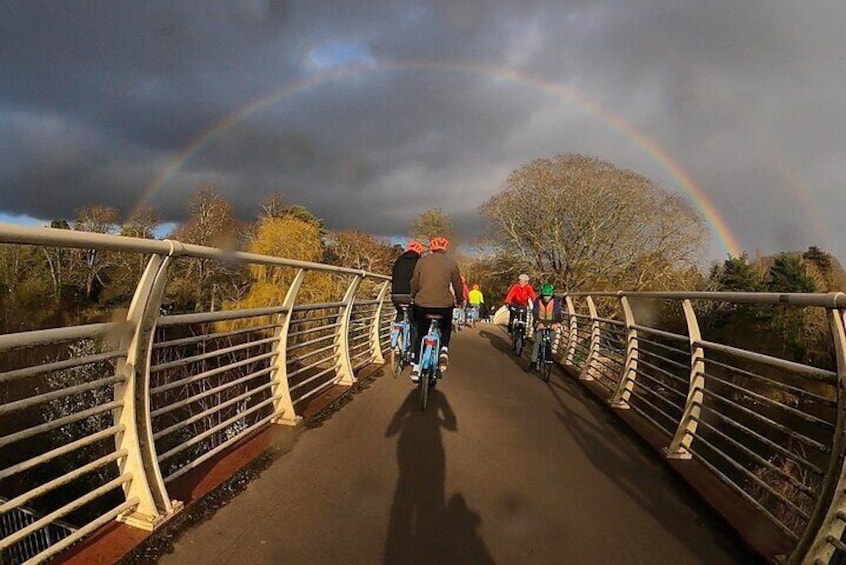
502 468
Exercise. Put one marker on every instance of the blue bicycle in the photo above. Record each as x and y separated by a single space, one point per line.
429 351
401 343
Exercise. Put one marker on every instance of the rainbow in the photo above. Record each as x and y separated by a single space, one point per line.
697 195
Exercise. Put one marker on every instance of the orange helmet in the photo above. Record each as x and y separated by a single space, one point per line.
415 246
439 244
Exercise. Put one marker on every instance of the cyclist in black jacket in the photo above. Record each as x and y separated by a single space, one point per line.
401 276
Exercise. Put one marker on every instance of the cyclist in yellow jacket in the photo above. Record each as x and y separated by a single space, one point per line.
476 300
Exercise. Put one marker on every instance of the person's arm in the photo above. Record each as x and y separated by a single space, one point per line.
415 280
481 298
509 298
457 285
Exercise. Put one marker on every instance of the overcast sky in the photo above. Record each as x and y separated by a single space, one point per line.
98 99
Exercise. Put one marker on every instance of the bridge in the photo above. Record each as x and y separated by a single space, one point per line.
654 441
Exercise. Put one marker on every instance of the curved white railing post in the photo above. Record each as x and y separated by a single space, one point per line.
689 421
375 337
591 368
620 398
343 364
828 520
147 485
283 407
574 331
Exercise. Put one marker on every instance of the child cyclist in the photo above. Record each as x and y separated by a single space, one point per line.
546 313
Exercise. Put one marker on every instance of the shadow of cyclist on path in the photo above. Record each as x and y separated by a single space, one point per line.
422 528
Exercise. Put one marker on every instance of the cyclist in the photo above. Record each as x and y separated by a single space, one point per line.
435 289
519 297
401 276
476 300
546 313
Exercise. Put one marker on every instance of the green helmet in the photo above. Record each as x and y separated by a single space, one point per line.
547 290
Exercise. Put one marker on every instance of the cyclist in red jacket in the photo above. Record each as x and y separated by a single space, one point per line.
519 299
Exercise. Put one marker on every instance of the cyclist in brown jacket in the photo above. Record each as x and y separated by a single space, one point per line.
436 289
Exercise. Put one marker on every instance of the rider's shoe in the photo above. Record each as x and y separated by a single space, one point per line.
415 374
443 360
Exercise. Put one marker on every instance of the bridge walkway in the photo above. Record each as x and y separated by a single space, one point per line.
502 468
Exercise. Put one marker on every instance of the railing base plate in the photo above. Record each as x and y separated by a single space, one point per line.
679 455
147 522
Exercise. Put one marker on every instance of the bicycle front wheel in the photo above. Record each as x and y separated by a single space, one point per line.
546 370
518 343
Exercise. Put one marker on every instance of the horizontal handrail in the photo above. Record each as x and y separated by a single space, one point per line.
26 235
824 300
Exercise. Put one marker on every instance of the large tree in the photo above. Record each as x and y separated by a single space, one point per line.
432 223
90 265
205 283
359 250
583 223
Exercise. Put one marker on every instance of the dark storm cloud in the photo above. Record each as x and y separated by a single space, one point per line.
98 98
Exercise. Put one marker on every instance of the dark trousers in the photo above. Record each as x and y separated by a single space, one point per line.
397 300
422 324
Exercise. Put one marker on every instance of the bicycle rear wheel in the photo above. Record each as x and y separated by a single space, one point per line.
423 388
398 357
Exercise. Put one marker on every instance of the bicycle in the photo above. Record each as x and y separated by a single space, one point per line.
543 365
472 315
457 319
518 329
401 343
430 349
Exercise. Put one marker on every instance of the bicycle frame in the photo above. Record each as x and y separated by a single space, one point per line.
402 328
430 348
545 352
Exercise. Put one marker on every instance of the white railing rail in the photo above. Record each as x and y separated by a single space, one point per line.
106 417
770 428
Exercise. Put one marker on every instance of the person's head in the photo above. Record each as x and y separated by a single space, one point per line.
523 279
463 279
547 291
439 244
415 247
475 287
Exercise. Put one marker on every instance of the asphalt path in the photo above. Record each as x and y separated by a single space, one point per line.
502 468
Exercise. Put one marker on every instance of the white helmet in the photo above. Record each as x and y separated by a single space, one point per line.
524 277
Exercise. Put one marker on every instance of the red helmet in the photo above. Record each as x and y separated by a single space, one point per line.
439 244
415 246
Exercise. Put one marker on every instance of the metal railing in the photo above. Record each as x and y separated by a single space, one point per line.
98 421
768 427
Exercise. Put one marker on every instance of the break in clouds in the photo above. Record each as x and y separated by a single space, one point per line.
97 99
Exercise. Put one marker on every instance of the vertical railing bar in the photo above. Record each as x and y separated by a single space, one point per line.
621 396
686 431
343 366
283 407
574 331
590 371
375 343
826 519
141 462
